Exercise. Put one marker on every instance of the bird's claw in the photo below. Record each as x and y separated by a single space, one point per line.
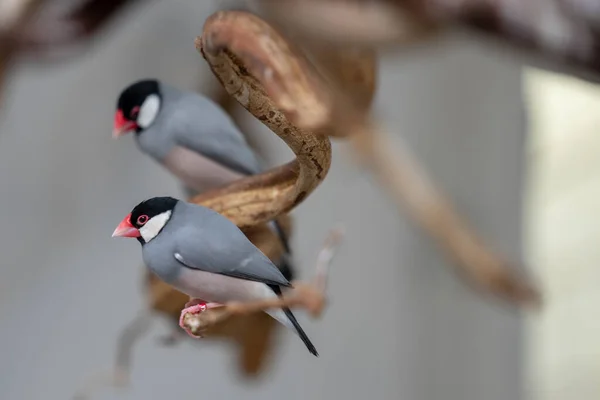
194 309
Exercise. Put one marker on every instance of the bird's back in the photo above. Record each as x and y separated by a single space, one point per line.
198 123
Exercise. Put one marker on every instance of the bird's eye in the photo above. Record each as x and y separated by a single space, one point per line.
134 113
142 219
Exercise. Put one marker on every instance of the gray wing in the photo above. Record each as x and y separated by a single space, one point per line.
218 246
202 126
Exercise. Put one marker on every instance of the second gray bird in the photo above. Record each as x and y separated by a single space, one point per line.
206 256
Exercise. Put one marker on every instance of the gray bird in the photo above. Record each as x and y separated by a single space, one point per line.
206 256
192 137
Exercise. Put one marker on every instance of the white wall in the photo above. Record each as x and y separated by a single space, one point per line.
67 288
562 236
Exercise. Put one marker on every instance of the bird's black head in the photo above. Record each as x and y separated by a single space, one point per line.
147 219
137 107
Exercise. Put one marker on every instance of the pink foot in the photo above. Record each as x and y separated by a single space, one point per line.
194 306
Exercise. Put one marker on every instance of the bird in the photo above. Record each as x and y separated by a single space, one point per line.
206 256
193 138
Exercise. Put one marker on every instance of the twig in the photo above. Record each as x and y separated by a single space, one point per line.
128 338
325 257
310 296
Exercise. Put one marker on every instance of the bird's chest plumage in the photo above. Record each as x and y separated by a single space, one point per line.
158 257
219 288
155 142
196 171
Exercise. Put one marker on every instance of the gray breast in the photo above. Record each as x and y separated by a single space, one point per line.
155 141
158 256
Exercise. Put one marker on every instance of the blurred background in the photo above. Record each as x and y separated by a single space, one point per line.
512 148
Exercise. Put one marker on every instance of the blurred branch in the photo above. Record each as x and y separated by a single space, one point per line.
309 296
78 24
559 35
402 176
22 32
14 14
348 22
120 375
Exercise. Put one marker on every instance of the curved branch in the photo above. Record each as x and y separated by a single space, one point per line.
281 89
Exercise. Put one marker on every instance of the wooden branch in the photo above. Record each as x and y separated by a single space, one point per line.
311 296
569 46
281 90
406 181
349 22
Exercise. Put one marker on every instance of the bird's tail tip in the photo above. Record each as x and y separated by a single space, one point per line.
309 345
303 336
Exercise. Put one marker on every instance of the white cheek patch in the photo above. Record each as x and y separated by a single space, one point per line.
154 226
148 111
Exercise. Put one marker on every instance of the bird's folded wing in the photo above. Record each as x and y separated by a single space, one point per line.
236 259
212 133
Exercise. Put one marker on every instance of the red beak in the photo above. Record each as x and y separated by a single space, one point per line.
122 125
125 229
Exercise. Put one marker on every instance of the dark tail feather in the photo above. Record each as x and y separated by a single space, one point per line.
285 264
286 268
311 347
282 237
